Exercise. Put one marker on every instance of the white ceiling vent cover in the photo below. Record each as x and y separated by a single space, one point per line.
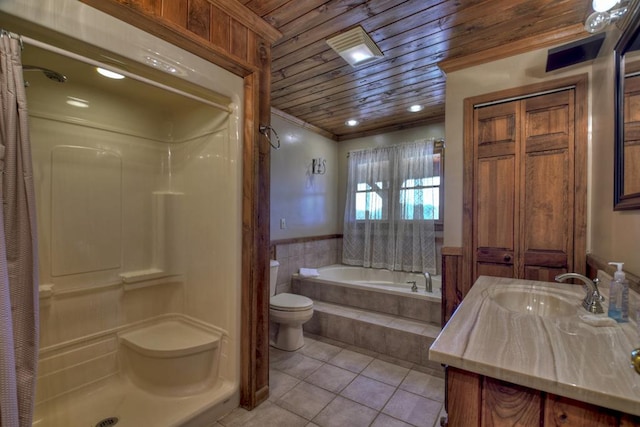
355 46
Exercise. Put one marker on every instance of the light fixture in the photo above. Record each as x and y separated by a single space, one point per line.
598 21
415 108
352 122
355 46
604 5
109 74
77 102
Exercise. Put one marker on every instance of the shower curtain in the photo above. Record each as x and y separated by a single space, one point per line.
389 211
18 246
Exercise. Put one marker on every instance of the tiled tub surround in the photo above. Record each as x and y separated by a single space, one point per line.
309 254
564 355
399 323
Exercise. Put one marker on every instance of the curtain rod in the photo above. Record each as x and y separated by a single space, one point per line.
439 143
68 54
11 35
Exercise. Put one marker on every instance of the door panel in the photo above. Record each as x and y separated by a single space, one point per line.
524 187
547 183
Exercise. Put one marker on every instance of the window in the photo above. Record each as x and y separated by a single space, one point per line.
418 198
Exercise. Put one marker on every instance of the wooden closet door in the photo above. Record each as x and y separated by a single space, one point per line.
547 184
496 136
524 187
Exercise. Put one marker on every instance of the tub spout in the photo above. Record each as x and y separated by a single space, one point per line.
428 282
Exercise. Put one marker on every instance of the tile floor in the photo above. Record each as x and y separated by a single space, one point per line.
327 383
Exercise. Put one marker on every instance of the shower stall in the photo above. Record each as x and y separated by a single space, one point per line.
138 196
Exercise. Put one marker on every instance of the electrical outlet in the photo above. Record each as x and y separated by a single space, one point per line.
283 224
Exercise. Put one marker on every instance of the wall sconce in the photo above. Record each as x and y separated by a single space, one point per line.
318 166
604 14
355 46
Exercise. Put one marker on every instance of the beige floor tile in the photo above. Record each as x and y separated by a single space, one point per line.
351 360
413 409
368 392
306 400
424 385
331 378
280 383
267 414
342 412
297 365
385 372
383 420
320 350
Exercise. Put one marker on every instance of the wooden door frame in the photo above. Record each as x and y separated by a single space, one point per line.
581 84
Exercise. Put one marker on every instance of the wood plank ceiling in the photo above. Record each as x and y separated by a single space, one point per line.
314 84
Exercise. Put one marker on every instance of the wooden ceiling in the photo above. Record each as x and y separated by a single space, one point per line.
315 85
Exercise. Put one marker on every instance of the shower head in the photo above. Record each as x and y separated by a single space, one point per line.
52 75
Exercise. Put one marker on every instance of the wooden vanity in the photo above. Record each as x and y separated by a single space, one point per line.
522 352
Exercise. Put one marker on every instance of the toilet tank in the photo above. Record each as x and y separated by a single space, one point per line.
273 276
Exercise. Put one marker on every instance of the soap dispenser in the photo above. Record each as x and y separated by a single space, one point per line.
619 295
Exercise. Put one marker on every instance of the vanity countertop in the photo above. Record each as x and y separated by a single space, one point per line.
577 355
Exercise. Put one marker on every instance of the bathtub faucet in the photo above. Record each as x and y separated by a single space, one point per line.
414 286
427 281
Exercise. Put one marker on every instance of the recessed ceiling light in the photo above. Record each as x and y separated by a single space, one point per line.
351 122
415 108
110 74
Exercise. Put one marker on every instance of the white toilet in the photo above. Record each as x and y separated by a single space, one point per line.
289 312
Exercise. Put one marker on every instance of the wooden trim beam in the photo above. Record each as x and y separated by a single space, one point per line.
539 41
244 15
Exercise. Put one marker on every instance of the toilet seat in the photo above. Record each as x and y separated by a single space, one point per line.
290 302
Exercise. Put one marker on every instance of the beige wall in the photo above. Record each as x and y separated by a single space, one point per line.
610 235
306 202
519 70
313 205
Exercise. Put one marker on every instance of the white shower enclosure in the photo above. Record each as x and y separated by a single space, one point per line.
138 186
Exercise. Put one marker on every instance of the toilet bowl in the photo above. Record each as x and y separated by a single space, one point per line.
288 312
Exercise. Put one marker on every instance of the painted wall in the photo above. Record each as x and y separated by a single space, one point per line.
305 201
610 235
515 71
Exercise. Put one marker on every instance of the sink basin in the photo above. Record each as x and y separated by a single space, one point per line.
535 302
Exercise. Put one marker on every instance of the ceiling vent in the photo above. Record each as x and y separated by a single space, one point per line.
575 52
355 46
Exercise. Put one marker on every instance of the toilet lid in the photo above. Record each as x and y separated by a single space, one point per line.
290 302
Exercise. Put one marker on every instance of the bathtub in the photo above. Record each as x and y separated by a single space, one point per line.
381 280
375 290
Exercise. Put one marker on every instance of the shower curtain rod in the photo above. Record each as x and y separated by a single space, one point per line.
63 52
11 35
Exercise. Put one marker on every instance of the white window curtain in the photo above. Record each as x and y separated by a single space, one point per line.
18 246
389 212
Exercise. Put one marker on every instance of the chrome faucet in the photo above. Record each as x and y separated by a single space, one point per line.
427 282
414 286
592 300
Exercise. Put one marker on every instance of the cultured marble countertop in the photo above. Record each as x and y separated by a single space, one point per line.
576 355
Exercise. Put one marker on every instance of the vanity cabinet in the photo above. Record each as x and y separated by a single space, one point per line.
477 400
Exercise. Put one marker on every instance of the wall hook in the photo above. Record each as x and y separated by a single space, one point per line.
266 131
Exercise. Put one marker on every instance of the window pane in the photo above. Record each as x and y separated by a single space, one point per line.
420 204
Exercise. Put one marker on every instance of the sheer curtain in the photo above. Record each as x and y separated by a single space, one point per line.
390 208
18 246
